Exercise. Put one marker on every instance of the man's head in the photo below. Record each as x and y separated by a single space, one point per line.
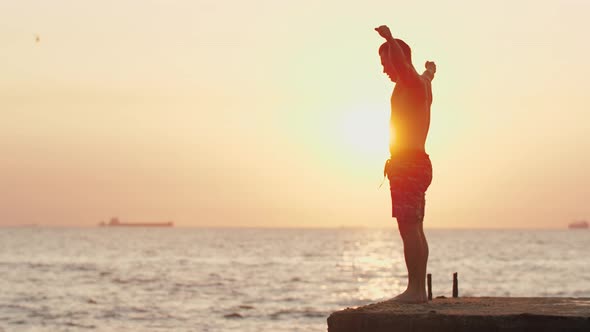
386 61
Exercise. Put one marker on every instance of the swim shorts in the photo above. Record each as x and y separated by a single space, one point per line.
409 174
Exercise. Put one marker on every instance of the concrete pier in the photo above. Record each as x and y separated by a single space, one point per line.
468 314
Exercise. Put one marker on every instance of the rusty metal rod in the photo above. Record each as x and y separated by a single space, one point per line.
455 285
429 283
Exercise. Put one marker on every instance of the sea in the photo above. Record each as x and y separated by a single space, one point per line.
194 279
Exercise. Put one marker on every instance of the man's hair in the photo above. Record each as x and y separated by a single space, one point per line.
402 44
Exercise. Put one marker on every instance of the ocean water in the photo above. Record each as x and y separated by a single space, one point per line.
120 279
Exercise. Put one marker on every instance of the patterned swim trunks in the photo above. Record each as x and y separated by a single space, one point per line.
409 174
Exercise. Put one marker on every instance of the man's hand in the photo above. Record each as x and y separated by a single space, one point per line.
384 32
430 66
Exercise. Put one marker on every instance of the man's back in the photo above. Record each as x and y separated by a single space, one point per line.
410 115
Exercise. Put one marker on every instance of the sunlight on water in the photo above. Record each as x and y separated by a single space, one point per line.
256 279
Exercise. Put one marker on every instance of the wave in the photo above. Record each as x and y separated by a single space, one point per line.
136 280
294 313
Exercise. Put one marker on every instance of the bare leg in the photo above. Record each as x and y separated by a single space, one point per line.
416 257
425 252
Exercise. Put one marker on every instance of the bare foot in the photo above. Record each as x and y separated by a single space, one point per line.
411 297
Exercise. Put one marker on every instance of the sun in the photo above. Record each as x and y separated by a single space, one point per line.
364 129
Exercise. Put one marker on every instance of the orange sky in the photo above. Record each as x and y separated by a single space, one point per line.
273 113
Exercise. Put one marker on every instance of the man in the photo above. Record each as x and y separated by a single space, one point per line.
409 169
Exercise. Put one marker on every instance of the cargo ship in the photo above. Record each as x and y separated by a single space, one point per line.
115 222
581 224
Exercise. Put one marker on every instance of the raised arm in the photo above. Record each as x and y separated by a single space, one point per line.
430 70
400 62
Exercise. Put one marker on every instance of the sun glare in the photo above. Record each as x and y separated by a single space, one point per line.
365 130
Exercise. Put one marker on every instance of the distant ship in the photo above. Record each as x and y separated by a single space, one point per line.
582 224
115 222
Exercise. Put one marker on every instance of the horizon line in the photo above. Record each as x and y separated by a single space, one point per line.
292 227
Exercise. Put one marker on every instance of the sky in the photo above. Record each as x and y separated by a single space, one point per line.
274 113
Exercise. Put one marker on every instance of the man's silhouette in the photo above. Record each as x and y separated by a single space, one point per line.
409 169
